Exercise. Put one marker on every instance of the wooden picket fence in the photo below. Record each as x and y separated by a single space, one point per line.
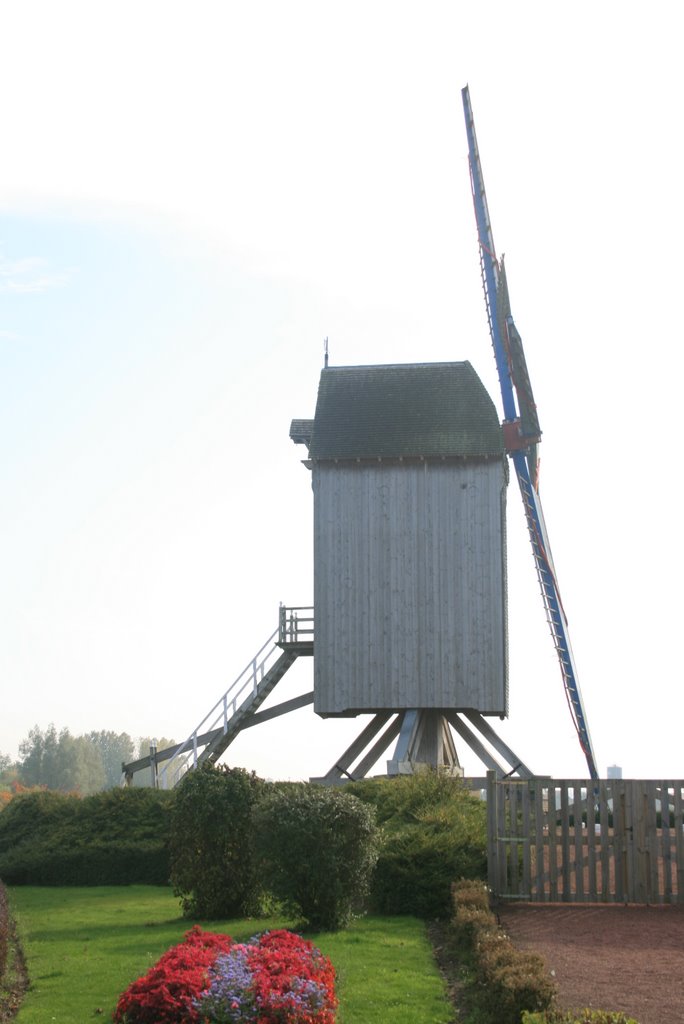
585 840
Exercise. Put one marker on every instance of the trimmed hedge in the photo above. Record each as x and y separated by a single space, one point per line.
433 831
577 1017
117 837
4 931
506 981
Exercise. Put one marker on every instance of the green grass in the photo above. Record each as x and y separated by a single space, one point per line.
85 945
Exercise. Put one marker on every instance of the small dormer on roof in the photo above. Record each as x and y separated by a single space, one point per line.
412 410
301 431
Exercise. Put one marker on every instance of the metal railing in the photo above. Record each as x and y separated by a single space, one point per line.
295 625
240 690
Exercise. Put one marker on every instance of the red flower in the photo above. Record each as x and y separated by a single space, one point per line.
166 993
286 981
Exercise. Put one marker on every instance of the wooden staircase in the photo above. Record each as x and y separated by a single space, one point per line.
239 706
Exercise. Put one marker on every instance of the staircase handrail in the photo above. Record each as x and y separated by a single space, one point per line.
250 677
292 626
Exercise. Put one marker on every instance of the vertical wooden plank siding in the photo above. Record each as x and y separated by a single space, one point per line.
565 841
503 815
665 803
577 884
618 837
592 861
492 835
627 850
607 891
515 846
409 586
654 841
526 824
679 833
552 821
537 889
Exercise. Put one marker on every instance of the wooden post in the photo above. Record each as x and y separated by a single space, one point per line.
492 844
153 765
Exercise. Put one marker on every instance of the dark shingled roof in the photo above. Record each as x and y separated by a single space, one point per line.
413 409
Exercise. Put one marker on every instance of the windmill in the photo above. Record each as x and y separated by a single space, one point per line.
522 433
409 478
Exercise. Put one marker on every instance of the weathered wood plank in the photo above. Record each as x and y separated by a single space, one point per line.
578 861
526 829
552 825
537 888
592 862
679 833
626 850
607 891
492 838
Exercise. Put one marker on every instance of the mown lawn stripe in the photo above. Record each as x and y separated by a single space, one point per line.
85 945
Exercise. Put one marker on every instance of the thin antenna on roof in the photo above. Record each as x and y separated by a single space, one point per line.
325 348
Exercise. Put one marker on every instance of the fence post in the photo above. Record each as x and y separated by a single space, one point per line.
492 844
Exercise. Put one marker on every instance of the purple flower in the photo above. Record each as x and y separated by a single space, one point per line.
228 998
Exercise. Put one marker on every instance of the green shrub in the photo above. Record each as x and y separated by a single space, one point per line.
505 981
32 815
434 830
318 848
212 862
105 863
119 837
510 980
4 931
577 1017
470 894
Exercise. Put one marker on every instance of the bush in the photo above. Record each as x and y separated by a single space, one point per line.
119 837
510 981
32 815
506 981
577 1017
212 862
318 848
434 830
4 931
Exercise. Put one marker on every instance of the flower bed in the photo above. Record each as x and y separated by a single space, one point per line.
275 978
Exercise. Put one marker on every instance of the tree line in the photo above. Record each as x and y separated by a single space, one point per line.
83 764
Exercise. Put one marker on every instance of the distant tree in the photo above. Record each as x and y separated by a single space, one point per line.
115 750
72 764
36 755
79 765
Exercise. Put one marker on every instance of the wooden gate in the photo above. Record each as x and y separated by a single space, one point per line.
585 840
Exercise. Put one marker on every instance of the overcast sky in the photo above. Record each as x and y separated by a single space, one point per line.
192 197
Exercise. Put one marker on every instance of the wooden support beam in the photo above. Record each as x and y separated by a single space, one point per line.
477 747
340 768
483 727
279 709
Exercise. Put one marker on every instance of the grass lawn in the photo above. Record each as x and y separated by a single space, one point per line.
85 945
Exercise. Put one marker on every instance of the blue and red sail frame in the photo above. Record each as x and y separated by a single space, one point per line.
522 434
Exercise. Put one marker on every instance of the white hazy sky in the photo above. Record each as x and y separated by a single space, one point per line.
192 196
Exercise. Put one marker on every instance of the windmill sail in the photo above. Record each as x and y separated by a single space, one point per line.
522 433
